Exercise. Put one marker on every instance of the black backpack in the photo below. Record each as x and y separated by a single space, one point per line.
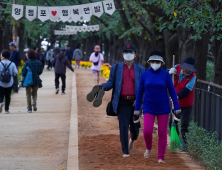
5 75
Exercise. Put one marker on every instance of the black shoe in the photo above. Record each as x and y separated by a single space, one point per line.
136 119
34 105
90 97
98 101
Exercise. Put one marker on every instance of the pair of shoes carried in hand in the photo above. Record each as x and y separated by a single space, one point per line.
96 94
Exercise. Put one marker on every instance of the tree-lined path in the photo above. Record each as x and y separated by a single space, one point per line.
37 140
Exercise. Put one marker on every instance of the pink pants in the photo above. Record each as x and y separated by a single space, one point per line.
162 132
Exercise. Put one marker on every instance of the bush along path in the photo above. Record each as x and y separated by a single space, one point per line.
204 146
99 143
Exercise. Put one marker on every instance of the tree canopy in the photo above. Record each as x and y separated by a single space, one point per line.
175 27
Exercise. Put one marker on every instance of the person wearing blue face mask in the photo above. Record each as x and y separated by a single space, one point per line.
128 74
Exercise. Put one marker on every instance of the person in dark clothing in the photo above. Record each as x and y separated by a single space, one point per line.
36 53
36 67
42 57
60 62
15 58
69 53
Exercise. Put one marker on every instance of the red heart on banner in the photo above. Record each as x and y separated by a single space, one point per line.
54 13
84 28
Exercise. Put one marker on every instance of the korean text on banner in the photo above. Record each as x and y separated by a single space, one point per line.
109 6
43 13
31 12
17 11
97 9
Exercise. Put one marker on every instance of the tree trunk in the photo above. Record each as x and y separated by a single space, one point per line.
218 64
21 40
201 52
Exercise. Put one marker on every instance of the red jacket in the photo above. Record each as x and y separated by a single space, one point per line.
187 101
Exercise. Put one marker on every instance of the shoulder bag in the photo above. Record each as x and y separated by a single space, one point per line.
96 63
28 81
109 108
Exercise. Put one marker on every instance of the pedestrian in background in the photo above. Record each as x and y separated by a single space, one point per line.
153 91
6 87
69 53
60 63
77 55
184 82
15 58
42 57
31 91
36 53
49 58
97 61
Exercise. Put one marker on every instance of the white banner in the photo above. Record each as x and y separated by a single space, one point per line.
64 13
75 12
86 11
54 13
82 28
62 32
31 12
17 11
109 6
97 9
43 13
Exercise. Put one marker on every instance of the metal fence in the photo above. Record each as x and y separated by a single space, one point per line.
207 106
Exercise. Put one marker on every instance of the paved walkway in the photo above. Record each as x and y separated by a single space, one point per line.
38 140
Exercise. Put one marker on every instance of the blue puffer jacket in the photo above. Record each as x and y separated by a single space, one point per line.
138 69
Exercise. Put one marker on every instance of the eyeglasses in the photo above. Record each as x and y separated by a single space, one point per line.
155 61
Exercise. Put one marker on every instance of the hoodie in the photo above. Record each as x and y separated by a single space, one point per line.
60 62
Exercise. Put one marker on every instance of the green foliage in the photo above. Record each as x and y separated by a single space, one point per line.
210 71
204 146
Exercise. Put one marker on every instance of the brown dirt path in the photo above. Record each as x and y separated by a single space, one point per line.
99 144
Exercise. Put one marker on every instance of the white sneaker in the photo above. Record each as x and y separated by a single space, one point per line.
161 161
147 153
57 91
7 112
1 106
131 145
125 155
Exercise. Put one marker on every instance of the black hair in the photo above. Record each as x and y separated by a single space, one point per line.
156 52
34 48
6 54
31 54
78 46
48 48
68 46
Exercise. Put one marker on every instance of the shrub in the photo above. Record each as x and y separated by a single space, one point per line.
204 146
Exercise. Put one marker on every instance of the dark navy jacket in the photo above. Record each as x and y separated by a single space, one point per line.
138 69
69 54
16 58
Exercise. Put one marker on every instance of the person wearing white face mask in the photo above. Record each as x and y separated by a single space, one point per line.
154 86
127 75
